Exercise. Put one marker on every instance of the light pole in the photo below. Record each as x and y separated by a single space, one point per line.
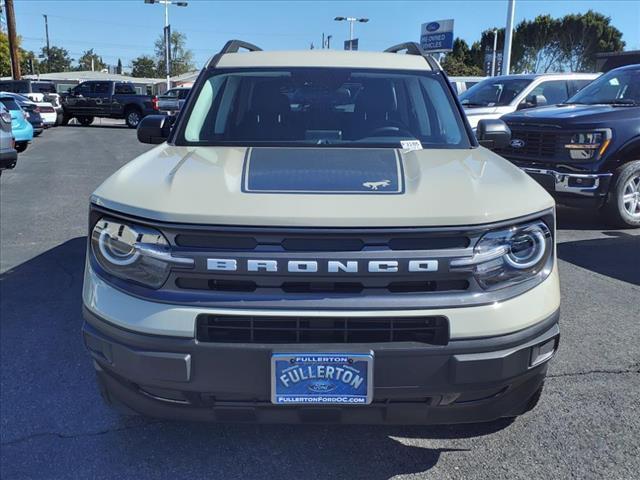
493 59
508 38
167 33
351 21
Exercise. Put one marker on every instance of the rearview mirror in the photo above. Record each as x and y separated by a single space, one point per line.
154 129
493 133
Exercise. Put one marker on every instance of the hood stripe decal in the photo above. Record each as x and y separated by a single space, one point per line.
363 171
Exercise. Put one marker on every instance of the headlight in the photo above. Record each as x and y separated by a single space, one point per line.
133 252
585 145
503 258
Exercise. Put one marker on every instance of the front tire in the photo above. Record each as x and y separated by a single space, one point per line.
85 121
21 146
132 117
623 205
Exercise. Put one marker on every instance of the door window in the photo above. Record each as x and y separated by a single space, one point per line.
101 88
124 88
554 91
83 88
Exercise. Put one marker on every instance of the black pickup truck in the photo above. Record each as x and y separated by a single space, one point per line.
586 151
109 99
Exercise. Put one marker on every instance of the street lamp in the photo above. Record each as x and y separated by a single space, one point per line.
167 34
493 58
351 21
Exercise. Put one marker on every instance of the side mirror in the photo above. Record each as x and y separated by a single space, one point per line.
154 129
533 101
493 134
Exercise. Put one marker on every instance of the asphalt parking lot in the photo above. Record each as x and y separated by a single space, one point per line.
54 424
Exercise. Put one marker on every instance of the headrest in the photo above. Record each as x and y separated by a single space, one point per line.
377 96
267 97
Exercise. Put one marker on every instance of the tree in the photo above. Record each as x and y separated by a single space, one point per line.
536 46
58 59
28 60
547 44
181 57
119 67
460 62
143 66
5 63
90 60
29 63
585 35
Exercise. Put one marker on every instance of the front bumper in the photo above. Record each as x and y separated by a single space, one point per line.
8 158
469 380
585 186
22 132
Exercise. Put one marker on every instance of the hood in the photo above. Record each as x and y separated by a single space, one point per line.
214 185
569 114
475 114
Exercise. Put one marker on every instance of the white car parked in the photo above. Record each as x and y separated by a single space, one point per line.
497 96
462 84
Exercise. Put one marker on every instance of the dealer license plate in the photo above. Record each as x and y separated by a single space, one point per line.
321 379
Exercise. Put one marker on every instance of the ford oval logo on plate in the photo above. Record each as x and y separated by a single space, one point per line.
433 26
516 143
321 386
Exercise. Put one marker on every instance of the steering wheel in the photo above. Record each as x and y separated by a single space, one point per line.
391 130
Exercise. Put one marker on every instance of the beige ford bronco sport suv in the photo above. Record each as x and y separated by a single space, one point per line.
319 237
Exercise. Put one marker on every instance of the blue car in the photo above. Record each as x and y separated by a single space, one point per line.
20 126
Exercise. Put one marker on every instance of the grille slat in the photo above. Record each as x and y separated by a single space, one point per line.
351 288
279 330
537 144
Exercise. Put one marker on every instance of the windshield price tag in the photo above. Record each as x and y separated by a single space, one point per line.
409 145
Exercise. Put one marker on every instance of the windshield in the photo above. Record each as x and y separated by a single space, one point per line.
324 106
494 92
616 87
10 103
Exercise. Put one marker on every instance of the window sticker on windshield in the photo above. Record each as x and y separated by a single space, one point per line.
410 145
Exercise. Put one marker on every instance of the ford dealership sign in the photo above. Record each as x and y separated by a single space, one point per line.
437 36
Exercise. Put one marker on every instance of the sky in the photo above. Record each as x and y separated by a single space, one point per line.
128 28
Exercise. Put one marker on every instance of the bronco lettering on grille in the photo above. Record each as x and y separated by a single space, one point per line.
313 266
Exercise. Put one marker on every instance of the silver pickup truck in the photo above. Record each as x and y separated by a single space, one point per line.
172 100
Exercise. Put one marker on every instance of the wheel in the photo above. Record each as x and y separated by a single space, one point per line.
623 205
21 146
132 116
85 121
65 119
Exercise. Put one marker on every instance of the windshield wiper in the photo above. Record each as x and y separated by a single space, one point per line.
473 104
622 102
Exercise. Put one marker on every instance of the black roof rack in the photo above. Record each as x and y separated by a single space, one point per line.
233 46
413 48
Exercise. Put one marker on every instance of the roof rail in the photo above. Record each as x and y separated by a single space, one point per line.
413 48
233 46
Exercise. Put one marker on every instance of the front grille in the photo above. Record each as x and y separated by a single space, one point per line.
433 330
319 242
227 285
537 144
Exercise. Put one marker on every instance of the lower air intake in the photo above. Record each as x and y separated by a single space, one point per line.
432 330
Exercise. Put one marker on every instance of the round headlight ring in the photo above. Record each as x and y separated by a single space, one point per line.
533 234
111 255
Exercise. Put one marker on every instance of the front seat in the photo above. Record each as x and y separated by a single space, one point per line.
268 116
375 107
